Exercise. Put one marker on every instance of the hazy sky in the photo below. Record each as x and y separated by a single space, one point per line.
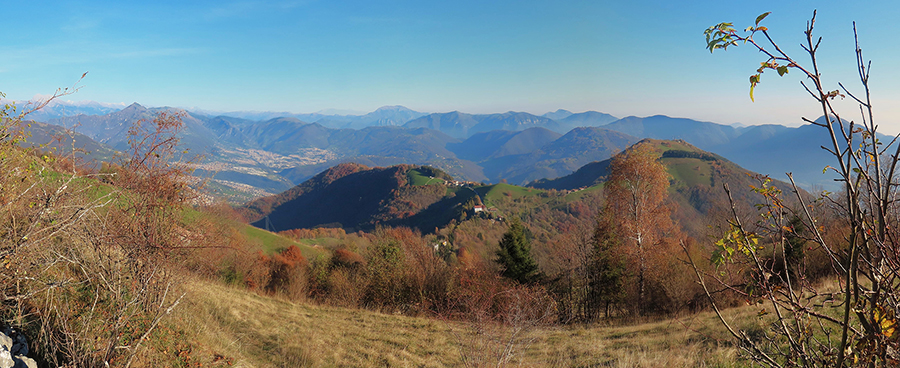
621 57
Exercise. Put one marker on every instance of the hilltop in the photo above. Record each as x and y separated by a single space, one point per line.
358 197
696 182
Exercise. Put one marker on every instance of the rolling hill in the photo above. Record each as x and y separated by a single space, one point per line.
696 182
357 197
769 149
674 154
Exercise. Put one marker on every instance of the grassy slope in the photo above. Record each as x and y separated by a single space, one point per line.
686 172
269 242
492 193
579 195
272 243
417 178
256 331
324 242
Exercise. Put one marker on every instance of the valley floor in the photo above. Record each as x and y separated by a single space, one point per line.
237 328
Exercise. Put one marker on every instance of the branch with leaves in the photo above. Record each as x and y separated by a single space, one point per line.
858 326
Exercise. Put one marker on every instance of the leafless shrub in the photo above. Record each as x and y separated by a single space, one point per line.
498 318
84 264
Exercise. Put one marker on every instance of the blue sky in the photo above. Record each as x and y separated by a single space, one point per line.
621 57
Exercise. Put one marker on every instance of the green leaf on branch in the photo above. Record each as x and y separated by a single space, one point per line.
754 80
720 36
761 17
734 241
782 70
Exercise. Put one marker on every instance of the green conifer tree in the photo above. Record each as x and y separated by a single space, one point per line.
606 271
514 255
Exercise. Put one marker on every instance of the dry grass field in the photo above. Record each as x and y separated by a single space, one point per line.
233 327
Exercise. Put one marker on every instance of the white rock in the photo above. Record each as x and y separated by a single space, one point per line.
6 341
24 362
6 360
21 347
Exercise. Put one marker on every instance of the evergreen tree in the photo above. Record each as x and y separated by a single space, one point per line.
793 250
514 255
606 270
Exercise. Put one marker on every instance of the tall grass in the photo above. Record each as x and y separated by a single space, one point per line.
234 326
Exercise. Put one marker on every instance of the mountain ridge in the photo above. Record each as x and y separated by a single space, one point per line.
289 148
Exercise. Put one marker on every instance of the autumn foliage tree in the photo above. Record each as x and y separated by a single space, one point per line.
637 195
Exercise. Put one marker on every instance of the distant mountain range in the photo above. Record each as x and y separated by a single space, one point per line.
557 157
59 108
462 125
558 114
271 155
383 116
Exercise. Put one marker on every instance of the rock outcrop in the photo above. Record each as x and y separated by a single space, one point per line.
14 350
